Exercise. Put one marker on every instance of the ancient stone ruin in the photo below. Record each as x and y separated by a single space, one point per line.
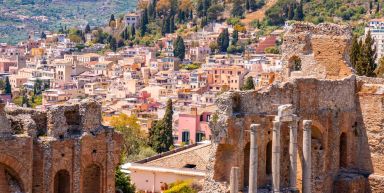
62 150
320 129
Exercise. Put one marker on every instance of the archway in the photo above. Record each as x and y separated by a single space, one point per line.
62 182
246 164
92 179
317 138
9 180
268 160
343 150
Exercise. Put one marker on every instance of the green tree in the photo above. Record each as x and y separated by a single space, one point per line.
133 32
8 88
160 136
223 40
369 54
113 44
134 138
25 101
299 14
179 48
43 35
112 21
37 87
144 22
355 52
87 29
123 182
237 8
214 12
235 37
249 85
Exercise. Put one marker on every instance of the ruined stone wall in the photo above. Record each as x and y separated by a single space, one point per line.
371 103
323 50
341 114
51 151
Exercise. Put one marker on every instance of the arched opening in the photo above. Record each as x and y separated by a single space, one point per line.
343 150
268 160
62 182
246 164
317 138
92 179
225 156
295 63
9 180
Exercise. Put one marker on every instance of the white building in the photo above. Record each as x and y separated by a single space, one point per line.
132 19
376 26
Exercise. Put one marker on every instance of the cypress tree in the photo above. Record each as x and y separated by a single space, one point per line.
8 88
160 135
252 5
235 37
237 9
43 35
172 24
179 48
87 29
113 44
355 52
112 20
369 52
291 11
299 15
144 22
133 32
223 40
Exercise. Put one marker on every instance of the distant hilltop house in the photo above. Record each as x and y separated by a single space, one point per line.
132 18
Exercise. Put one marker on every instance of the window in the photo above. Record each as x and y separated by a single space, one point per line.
200 137
185 137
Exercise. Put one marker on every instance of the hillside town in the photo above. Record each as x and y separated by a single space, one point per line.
217 106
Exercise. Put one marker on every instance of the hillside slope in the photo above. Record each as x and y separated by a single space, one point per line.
17 17
259 14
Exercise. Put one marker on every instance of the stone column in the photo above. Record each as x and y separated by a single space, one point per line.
234 181
307 156
276 157
293 153
253 159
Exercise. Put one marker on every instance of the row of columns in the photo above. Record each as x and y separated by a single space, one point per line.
276 151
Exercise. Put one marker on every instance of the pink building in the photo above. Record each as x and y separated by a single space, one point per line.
193 127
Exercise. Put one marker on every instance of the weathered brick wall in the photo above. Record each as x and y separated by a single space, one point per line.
323 50
40 147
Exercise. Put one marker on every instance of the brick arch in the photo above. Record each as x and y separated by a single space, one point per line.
18 171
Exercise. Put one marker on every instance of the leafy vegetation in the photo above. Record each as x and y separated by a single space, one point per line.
183 187
59 14
135 141
363 56
160 135
123 182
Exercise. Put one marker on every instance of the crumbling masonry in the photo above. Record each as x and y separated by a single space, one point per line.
62 150
319 129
